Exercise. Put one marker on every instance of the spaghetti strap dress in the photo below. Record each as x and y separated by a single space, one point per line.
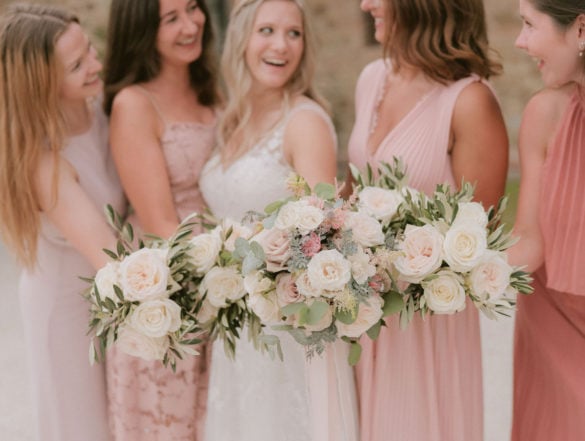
423 383
147 401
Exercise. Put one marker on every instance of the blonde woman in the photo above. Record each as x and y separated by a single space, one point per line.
428 101
274 124
55 178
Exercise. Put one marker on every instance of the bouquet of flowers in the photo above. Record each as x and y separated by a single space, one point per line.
313 269
444 249
144 301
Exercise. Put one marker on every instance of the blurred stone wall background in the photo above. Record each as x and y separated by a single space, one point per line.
344 48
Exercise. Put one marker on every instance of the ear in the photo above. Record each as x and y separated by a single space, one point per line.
580 22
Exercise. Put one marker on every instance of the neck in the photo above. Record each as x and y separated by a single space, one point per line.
173 80
77 117
265 101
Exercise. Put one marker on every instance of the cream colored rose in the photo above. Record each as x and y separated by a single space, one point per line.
156 318
361 267
421 253
106 278
444 294
145 275
368 315
286 290
255 283
289 215
207 312
491 278
304 286
464 246
379 202
276 246
222 286
132 342
205 251
471 212
366 230
310 217
329 271
238 230
265 306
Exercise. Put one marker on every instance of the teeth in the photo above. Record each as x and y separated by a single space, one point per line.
189 41
275 62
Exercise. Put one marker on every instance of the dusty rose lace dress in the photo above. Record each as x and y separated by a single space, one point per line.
149 402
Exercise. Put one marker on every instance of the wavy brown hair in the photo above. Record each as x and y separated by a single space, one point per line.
238 81
30 117
132 57
447 39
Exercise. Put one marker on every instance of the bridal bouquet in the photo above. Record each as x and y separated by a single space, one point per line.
444 249
313 269
144 301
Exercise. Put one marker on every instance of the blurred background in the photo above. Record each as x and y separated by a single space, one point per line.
345 46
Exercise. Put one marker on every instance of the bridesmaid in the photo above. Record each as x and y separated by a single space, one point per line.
161 96
549 354
55 177
428 102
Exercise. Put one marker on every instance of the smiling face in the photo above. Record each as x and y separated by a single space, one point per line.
180 33
275 47
555 50
80 66
377 9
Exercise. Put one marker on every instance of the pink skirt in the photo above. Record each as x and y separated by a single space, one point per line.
549 366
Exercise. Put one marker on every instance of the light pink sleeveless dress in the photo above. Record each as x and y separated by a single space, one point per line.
69 395
423 383
549 352
149 402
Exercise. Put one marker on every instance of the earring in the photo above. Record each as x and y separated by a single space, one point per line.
581 48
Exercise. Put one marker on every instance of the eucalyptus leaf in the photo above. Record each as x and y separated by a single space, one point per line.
355 352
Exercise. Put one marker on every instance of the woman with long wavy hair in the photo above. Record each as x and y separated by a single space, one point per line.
56 175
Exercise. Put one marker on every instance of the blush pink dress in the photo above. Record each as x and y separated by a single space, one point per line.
423 383
549 352
148 402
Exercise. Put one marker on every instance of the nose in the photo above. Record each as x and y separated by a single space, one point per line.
95 64
520 42
190 24
279 42
368 5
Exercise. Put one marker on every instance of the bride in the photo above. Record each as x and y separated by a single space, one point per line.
273 125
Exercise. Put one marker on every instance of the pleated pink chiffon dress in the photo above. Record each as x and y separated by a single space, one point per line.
423 383
69 395
549 353
150 402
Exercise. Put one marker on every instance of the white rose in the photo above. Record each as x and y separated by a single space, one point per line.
106 278
304 286
256 283
204 252
421 253
207 312
286 290
238 230
329 270
471 212
310 217
265 306
132 342
156 318
379 202
366 230
223 284
444 294
368 315
323 323
289 215
361 267
145 274
276 246
491 278
465 245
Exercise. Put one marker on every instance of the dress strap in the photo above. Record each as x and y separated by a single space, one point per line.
316 108
152 100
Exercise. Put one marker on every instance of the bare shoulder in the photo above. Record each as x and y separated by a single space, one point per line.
546 106
134 106
306 110
476 99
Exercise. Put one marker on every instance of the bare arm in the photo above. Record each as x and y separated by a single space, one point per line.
479 153
310 147
135 130
73 213
537 128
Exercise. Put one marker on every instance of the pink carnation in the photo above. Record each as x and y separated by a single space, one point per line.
311 245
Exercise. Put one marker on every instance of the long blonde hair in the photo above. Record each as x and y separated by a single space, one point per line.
30 117
238 81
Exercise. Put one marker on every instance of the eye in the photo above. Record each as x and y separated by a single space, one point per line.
294 33
266 30
192 6
171 18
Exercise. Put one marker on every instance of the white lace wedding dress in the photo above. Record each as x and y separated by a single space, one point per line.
255 398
